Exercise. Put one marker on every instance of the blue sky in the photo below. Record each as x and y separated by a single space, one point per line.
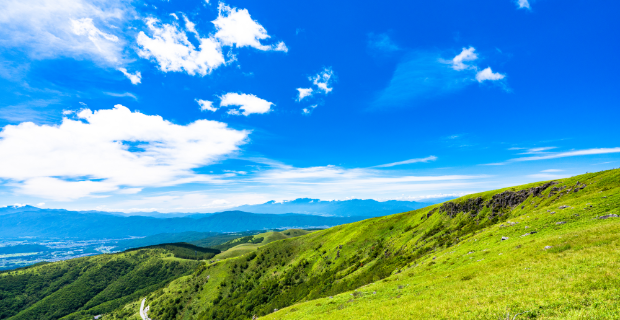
195 106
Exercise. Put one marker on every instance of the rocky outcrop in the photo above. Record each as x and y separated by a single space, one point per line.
497 203
473 206
576 188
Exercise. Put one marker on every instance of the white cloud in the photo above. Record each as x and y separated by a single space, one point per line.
206 105
323 80
585 152
523 4
308 111
190 26
70 28
418 160
122 95
130 190
467 54
487 74
107 150
535 150
104 42
249 103
552 170
173 51
175 16
236 27
134 78
62 190
304 92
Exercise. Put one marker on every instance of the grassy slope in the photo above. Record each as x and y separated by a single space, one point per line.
268 237
83 287
210 242
413 265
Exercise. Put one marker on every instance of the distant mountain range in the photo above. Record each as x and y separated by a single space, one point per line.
339 208
29 221
44 223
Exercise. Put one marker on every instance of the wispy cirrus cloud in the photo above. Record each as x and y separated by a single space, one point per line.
556 155
410 161
585 152
66 28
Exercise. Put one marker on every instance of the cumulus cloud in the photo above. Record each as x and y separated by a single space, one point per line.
135 78
235 27
206 105
172 50
323 80
249 103
110 150
488 74
70 28
170 47
468 54
523 4
304 92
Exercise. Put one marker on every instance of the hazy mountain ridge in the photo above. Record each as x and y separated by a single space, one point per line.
79 225
340 208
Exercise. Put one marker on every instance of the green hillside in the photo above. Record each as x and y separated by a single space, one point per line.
545 250
184 250
83 287
247 244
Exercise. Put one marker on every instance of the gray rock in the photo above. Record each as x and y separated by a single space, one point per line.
548 247
561 222
608 216
504 238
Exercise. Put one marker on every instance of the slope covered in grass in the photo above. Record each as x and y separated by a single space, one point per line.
247 244
184 250
83 287
558 259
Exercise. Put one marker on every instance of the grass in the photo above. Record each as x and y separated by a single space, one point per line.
556 263
240 246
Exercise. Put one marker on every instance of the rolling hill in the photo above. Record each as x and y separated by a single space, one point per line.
543 250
